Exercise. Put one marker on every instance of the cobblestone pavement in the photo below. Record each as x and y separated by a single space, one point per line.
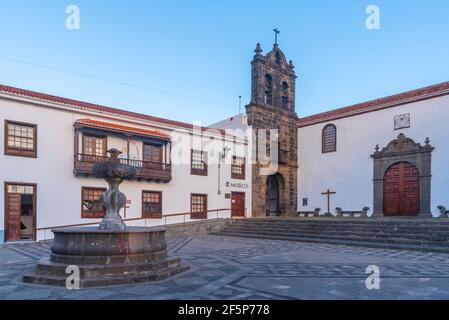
238 268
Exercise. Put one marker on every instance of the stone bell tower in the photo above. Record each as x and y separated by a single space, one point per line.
272 106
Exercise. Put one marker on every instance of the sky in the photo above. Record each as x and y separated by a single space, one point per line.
190 60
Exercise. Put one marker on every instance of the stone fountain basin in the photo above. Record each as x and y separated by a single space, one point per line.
90 245
137 254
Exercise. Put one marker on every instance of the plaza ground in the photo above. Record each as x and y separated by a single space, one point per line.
238 268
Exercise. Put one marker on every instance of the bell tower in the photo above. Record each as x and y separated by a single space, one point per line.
273 80
272 107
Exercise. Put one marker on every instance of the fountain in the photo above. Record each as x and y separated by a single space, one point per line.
113 253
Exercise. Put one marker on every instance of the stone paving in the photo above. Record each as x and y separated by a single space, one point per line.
240 269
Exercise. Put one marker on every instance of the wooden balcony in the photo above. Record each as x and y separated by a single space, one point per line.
146 170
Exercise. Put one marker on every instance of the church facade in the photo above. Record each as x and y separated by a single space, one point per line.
389 154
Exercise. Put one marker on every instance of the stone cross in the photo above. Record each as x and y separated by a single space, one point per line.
328 193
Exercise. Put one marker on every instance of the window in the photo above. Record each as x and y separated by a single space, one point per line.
20 139
198 206
268 89
91 206
152 153
198 163
152 204
285 95
329 139
238 168
94 145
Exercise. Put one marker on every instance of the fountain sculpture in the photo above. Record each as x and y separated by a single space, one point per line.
112 253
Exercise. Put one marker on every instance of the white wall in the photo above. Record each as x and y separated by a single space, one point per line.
59 191
349 171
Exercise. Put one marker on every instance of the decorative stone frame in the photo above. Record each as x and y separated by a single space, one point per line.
403 149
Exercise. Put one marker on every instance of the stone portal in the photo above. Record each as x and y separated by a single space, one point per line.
402 178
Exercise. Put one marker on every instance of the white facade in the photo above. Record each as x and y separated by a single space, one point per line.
58 194
349 170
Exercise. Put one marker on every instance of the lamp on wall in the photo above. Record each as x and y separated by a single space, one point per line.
221 157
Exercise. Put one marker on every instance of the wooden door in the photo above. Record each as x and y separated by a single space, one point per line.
13 216
401 190
238 204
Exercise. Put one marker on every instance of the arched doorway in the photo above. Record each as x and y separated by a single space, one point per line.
273 196
405 166
402 190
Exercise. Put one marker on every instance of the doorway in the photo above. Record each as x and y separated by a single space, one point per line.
238 204
272 196
20 212
401 190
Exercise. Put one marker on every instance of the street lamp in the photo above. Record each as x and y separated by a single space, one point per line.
221 157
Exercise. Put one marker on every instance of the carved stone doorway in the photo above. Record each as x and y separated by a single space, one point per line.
415 162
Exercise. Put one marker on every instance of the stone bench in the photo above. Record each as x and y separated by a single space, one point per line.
352 214
443 212
310 214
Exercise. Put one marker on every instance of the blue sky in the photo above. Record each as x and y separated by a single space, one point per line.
202 49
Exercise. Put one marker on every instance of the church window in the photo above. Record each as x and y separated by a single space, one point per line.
329 139
268 89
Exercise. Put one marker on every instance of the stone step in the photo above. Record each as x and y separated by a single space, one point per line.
354 228
342 228
368 235
431 235
348 238
46 267
416 225
365 244
105 280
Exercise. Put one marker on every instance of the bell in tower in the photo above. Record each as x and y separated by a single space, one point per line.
273 80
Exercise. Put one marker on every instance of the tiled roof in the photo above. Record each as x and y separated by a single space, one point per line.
90 106
378 104
120 127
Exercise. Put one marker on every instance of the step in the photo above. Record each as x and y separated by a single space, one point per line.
415 226
367 244
346 238
368 234
47 268
108 280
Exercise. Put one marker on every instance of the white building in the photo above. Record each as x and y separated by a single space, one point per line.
336 149
50 145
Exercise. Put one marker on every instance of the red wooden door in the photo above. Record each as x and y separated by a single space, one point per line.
238 204
13 216
401 190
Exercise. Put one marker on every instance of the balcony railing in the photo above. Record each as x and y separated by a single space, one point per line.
146 170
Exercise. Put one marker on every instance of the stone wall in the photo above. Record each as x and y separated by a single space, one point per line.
197 228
